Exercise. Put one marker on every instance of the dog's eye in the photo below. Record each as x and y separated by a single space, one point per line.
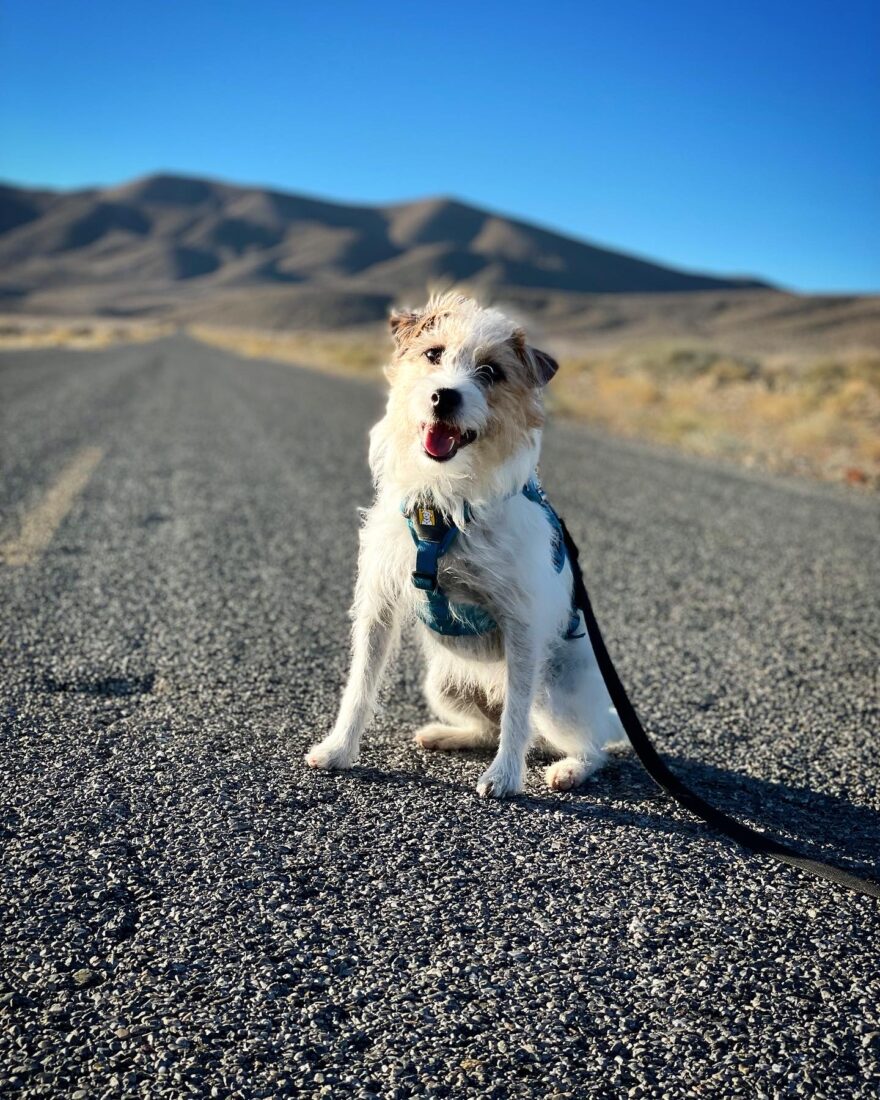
433 355
488 374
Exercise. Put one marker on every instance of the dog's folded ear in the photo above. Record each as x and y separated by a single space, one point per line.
545 366
402 323
539 364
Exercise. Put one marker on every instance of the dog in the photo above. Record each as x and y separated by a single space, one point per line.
462 540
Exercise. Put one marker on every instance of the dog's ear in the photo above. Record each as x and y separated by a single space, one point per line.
540 366
402 323
545 366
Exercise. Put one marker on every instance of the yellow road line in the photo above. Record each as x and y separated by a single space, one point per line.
43 520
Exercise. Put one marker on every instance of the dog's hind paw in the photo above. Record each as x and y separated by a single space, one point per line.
436 735
329 756
567 774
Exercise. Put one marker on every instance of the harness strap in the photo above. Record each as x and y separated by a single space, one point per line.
458 620
533 490
428 556
654 765
434 532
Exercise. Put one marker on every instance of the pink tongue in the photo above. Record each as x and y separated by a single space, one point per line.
440 439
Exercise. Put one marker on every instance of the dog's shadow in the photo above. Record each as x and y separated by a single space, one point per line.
818 825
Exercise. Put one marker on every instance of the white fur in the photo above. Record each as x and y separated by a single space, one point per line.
544 686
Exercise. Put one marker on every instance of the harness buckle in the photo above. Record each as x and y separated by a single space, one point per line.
427 582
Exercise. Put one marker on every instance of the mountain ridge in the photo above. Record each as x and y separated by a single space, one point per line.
438 200
164 241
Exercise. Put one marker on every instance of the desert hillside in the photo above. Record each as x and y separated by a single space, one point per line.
200 248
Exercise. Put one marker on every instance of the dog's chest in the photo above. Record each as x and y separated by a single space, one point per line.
461 593
463 603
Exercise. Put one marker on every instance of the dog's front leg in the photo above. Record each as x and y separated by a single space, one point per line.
374 630
504 776
372 639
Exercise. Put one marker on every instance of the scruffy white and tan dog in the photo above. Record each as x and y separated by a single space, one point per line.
461 539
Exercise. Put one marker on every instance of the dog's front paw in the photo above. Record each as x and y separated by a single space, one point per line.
499 781
329 755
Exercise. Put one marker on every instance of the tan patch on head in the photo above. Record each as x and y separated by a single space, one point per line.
515 403
407 329
408 325
401 322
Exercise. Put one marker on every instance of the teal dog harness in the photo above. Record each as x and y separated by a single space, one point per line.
434 532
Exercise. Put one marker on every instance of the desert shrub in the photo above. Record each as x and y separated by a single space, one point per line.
830 375
728 369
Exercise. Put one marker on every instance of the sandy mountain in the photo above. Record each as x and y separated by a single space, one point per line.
183 245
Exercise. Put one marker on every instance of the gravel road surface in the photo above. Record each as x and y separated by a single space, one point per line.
189 911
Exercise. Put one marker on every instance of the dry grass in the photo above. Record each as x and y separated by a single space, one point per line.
815 416
819 417
82 334
348 351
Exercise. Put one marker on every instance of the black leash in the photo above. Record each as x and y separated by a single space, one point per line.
654 765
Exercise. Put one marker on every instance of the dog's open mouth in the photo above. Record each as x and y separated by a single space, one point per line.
442 441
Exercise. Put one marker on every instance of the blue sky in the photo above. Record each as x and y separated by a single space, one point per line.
737 137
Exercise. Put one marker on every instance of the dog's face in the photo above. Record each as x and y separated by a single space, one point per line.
465 391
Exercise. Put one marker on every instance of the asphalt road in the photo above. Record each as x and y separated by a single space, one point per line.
189 911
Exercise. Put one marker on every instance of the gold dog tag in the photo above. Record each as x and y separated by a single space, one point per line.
427 517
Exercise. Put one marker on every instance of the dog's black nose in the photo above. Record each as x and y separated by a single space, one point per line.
445 402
